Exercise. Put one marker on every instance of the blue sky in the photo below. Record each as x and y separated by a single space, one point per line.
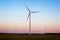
14 11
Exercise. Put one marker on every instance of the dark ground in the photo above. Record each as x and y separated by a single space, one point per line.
13 36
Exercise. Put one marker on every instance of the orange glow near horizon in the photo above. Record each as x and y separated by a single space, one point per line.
24 28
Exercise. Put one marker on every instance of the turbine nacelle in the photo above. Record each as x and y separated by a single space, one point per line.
32 12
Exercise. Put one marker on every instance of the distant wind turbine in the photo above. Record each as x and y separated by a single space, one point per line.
45 29
29 16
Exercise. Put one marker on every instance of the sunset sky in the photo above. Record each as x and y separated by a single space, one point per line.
13 15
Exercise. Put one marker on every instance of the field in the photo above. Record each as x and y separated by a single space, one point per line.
29 37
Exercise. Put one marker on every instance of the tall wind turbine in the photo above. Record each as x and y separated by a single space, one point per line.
29 16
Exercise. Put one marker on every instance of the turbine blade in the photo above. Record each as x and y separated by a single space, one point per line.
28 16
35 12
27 8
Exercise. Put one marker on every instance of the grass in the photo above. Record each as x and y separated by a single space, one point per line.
29 37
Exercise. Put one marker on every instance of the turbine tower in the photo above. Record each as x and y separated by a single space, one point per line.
29 17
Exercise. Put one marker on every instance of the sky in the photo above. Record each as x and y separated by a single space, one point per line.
13 15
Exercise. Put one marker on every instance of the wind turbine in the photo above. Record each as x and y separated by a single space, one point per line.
29 16
45 29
